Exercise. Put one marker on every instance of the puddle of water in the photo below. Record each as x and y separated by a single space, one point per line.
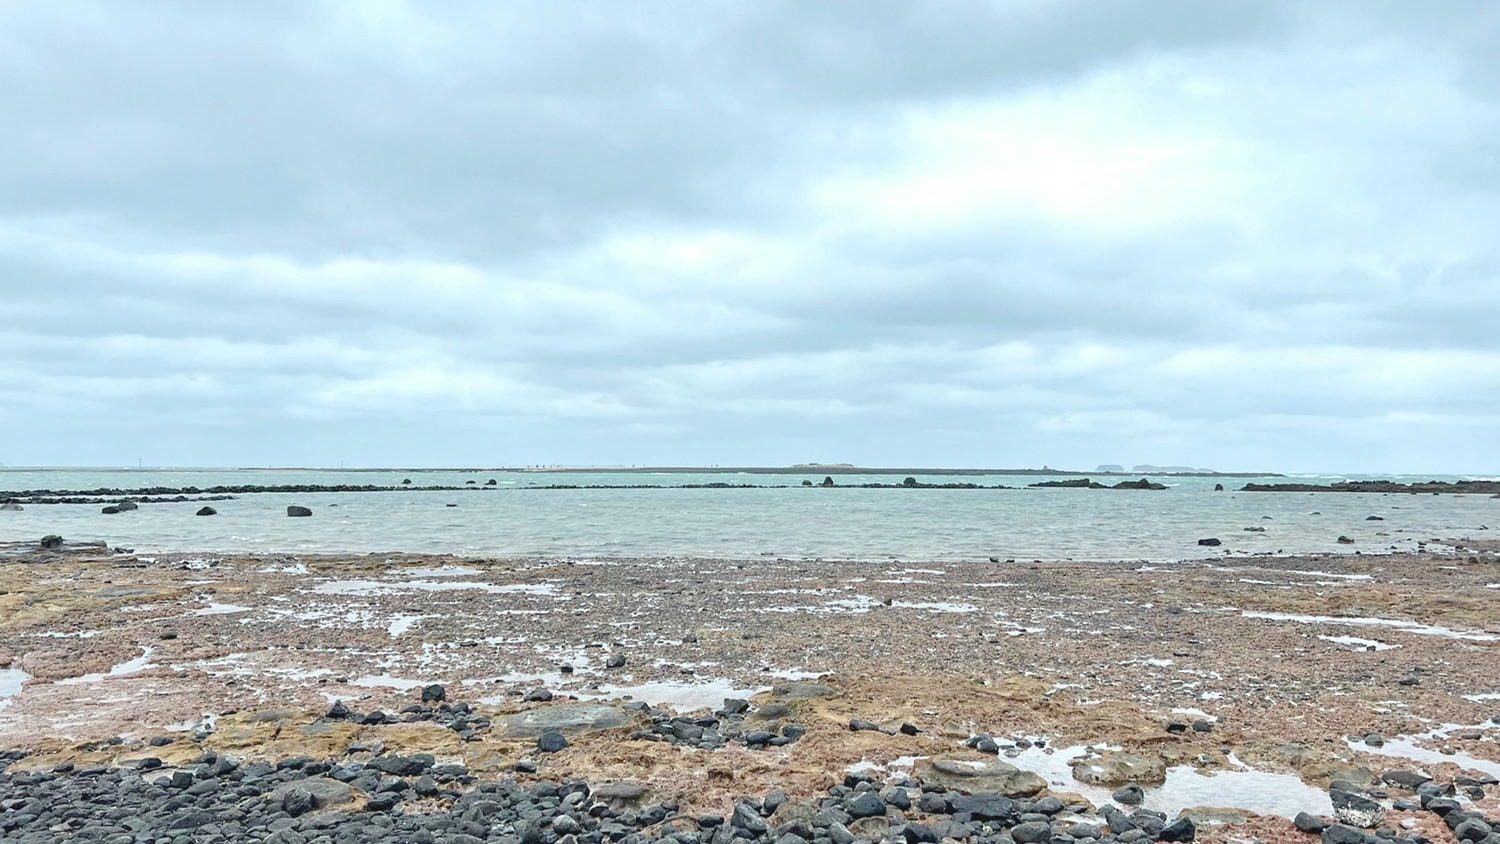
439 571
220 609
1251 791
206 723
936 606
794 674
385 681
1361 644
1185 787
1481 698
375 587
1393 623
1406 748
1333 575
402 623
11 680
133 666
683 697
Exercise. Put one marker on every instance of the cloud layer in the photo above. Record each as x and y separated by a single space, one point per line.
1252 236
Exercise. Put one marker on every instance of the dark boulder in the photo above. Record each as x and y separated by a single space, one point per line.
1182 829
298 510
827 480
52 542
206 511
1211 542
110 509
434 694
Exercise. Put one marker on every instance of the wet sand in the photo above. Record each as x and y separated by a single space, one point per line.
1281 660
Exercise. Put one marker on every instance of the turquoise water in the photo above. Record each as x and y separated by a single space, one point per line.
515 518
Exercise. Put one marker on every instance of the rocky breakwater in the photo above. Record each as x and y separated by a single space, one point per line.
1086 483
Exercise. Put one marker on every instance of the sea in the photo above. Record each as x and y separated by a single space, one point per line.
611 514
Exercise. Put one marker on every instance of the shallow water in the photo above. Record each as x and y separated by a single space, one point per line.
682 697
516 518
124 669
1393 623
11 680
1407 748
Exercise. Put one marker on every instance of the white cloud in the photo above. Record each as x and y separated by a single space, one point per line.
1256 236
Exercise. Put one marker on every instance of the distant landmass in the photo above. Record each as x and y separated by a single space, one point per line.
850 469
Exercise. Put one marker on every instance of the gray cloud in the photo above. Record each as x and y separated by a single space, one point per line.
1252 236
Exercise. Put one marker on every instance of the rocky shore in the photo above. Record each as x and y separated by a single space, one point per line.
401 697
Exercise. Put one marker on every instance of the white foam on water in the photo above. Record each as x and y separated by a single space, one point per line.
124 669
1356 642
220 609
1393 623
385 681
11 680
683 697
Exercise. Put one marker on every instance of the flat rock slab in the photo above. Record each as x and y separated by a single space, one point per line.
974 776
567 718
1112 769
620 795
327 793
803 691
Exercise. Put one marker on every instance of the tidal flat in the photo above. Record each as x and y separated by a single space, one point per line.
1236 692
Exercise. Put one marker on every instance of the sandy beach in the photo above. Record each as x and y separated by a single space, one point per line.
1253 681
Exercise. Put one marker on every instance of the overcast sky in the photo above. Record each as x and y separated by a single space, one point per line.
1231 235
